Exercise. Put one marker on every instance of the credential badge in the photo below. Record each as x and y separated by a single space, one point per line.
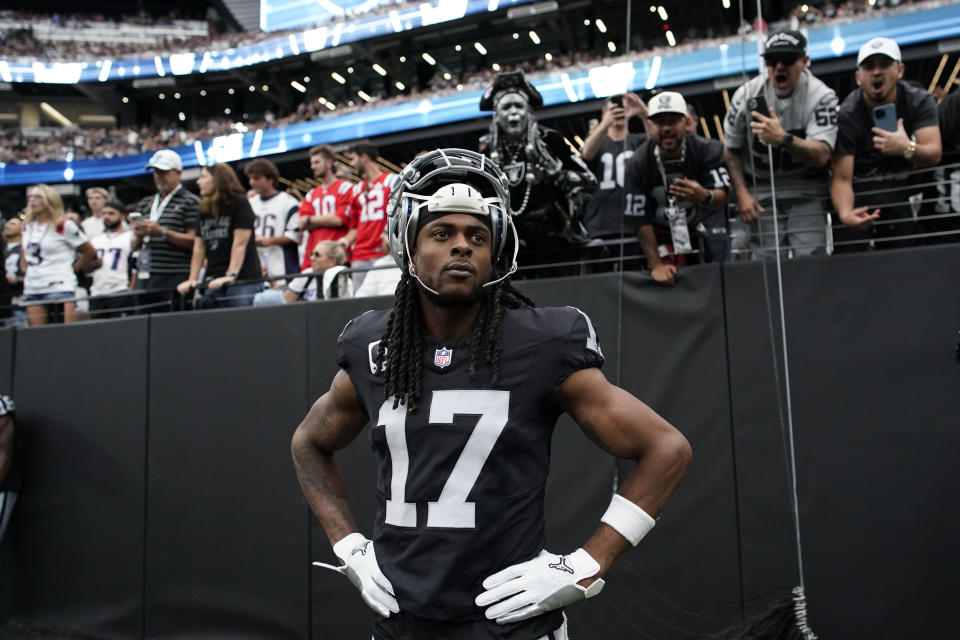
442 357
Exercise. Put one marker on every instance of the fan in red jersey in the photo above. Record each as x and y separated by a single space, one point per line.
325 211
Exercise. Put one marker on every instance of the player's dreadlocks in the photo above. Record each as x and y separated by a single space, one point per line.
400 354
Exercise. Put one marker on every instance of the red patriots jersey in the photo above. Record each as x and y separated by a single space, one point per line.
325 201
369 215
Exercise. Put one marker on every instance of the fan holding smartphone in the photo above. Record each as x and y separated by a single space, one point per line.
888 129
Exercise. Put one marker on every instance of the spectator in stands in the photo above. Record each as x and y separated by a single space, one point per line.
165 233
881 160
9 476
50 245
677 187
96 198
384 275
12 274
326 267
325 211
113 247
799 126
606 151
224 240
948 113
368 210
276 233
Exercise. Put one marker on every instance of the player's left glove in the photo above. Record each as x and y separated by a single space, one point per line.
534 587
360 566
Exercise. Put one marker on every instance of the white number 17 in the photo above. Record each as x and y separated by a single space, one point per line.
451 510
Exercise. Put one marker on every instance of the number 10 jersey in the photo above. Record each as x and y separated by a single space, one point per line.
460 480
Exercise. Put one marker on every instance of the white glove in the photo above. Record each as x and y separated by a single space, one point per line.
543 584
360 566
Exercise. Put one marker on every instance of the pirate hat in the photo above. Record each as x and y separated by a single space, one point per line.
513 81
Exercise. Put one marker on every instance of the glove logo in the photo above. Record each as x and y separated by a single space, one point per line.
561 565
361 549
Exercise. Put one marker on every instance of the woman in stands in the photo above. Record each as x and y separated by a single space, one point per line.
225 240
48 255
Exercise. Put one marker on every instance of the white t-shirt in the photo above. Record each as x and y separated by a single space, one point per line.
381 282
276 217
114 250
50 255
92 227
306 286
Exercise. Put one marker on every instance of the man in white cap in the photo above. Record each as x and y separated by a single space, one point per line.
881 159
793 114
164 234
676 188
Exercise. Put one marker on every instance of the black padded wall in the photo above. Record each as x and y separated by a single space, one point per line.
6 360
226 537
76 537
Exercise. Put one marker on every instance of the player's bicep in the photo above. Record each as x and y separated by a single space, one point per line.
612 418
335 418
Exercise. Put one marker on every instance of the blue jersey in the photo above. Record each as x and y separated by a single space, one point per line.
461 479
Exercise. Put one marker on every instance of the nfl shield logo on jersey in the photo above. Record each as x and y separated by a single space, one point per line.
442 357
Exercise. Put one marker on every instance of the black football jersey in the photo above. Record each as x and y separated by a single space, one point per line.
461 479
607 214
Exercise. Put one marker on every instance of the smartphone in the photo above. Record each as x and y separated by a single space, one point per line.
758 104
617 100
885 117
134 217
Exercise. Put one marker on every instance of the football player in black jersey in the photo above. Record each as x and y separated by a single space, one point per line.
461 385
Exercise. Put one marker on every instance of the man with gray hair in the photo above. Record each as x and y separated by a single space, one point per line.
325 279
789 116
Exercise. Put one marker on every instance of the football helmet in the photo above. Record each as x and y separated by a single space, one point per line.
452 181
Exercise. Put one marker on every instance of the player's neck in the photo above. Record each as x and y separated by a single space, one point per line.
617 133
329 178
371 172
448 323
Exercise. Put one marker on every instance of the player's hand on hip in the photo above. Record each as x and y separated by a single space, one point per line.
531 588
361 568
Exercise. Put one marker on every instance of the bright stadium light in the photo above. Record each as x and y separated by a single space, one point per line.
203 93
299 87
339 78
662 12
264 87
533 36
586 22
230 91
447 76
653 9
379 69
602 28
428 58
672 41
349 69
726 4
482 50
495 66
251 88
458 48
516 36
399 85
162 96
182 116
125 100
176 96
612 47
403 59
548 56
363 94
226 111
306 78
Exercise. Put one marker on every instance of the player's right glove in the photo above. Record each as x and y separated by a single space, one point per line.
360 566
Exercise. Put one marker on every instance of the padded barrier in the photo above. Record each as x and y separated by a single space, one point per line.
160 500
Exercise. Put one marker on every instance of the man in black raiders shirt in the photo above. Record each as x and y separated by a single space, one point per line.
880 160
461 386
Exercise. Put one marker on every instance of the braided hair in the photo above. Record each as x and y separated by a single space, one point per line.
400 353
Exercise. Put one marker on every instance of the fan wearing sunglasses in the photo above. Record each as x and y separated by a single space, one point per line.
325 278
793 114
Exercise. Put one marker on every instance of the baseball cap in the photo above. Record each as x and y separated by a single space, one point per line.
667 102
165 160
785 42
116 204
881 46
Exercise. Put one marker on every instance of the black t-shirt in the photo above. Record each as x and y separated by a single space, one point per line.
646 197
217 233
949 114
461 479
873 170
605 212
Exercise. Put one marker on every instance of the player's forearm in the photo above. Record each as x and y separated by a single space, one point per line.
323 488
592 143
315 222
648 242
196 260
182 240
735 169
926 155
841 194
813 153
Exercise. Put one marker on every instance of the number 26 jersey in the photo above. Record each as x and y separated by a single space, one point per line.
460 480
